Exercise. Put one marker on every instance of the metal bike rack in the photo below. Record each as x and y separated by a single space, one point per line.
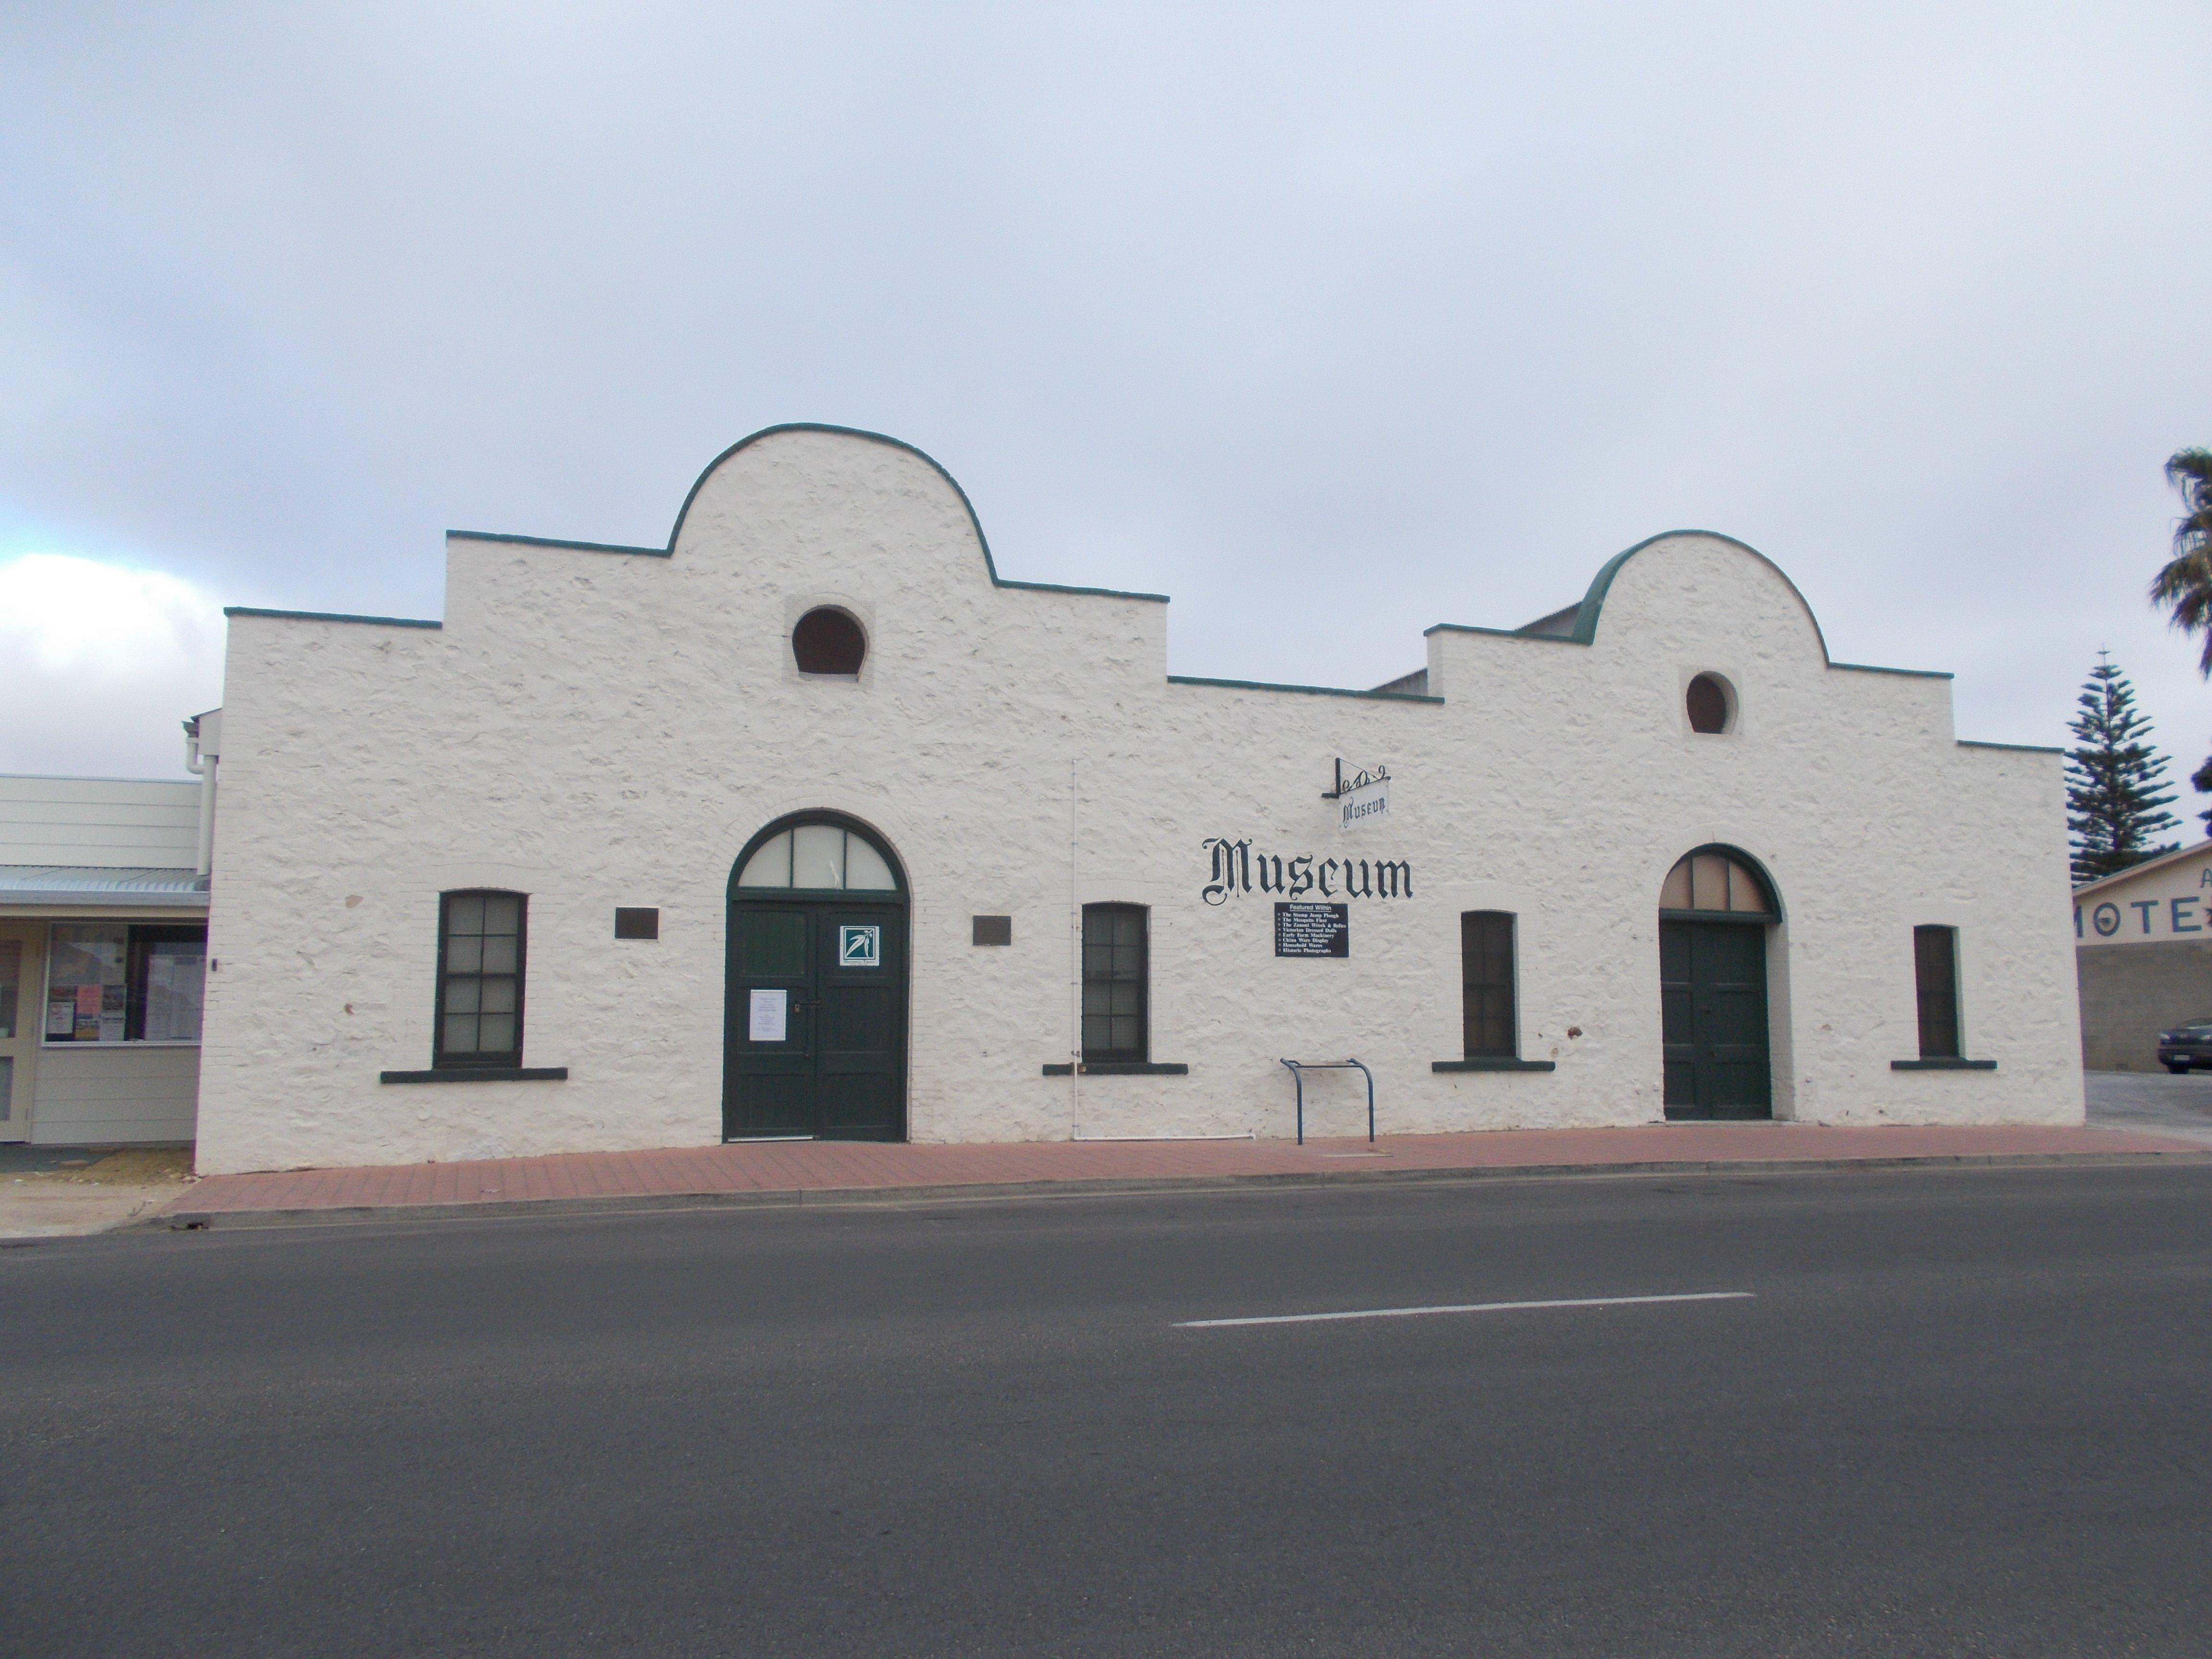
1300 1067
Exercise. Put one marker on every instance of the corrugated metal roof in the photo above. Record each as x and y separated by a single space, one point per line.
67 883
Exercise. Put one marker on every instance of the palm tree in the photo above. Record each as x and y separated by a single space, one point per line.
2184 586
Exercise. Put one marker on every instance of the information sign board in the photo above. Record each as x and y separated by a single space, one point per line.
1313 930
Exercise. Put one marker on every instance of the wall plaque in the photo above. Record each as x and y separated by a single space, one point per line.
1313 930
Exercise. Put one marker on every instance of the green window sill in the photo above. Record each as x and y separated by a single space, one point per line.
1942 1065
1492 1063
480 1074
1122 1068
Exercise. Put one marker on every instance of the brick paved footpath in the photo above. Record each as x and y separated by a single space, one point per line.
819 1170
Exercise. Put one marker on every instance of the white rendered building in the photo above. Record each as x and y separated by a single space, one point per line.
809 824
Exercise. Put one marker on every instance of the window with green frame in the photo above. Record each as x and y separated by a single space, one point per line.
480 961
1485 955
1115 990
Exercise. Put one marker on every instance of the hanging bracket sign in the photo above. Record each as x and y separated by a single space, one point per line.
1362 797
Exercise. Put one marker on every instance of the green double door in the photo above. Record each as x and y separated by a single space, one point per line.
814 1038
1712 1004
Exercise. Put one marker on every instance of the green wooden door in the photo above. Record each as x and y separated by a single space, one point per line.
815 1033
1712 999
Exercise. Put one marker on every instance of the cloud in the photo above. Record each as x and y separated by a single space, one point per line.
99 663
1332 323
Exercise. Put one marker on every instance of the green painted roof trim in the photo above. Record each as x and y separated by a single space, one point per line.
2017 748
549 541
1306 691
328 616
982 541
1910 674
1499 633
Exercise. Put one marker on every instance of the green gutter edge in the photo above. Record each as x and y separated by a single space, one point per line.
1305 690
1913 673
328 616
2017 748
1500 633
549 541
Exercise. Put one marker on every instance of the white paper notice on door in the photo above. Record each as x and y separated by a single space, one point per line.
767 1016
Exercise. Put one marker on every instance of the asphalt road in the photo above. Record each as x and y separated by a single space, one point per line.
1961 1412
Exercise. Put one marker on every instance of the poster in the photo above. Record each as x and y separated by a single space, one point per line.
175 983
61 1015
766 1022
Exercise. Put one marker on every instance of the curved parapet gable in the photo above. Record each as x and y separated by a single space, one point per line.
990 564
675 529
1578 624
1583 630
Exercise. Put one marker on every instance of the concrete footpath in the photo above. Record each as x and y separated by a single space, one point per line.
60 1191
790 1172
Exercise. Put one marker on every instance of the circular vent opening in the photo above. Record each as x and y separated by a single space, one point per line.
827 641
1708 699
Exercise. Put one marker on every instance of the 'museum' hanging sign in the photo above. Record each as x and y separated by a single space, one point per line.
1362 800
1234 865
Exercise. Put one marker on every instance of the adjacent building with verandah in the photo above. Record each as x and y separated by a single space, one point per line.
103 953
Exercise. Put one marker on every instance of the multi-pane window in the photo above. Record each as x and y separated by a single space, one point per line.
1485 954
1112 982
820 856
125 982
480 980
1935 986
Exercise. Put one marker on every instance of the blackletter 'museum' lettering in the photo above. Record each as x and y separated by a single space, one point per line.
1230 871
1232 862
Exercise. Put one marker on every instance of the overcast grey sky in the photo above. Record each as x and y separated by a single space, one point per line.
1332 323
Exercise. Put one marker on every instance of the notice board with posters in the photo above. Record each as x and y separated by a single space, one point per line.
1313 930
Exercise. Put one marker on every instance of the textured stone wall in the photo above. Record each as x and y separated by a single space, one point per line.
2130 992
600 729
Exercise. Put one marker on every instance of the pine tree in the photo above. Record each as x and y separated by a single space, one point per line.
2114 779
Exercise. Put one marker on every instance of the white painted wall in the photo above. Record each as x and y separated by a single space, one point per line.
598 729
101 823
98 1096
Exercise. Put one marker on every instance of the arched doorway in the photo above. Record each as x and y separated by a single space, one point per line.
1715 910
814 1033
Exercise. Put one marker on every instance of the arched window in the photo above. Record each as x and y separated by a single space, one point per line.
1710 704
1712 881
818 858
827 641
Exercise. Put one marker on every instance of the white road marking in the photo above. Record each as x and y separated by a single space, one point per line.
1467 1307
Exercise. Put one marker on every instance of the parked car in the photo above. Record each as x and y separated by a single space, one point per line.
2186 1045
